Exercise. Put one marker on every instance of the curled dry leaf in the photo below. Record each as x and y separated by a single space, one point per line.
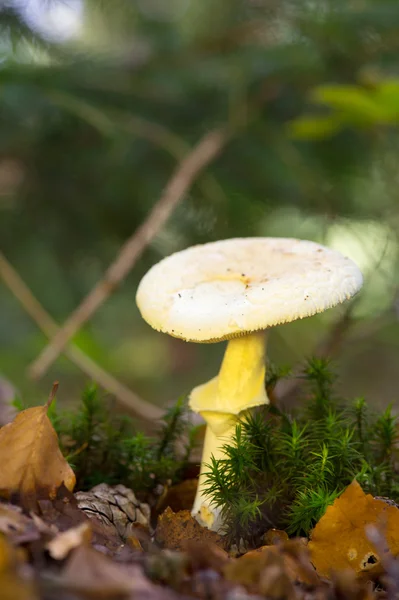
62 544
32 465
339 540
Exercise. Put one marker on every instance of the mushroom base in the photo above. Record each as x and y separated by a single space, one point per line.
220 429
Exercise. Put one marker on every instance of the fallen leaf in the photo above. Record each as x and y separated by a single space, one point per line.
275 583
173 529
205 555
62 544
94 575
32 465
390 578
18 527
287 561
209 585
12 585
339 540
346 586
62 512
263 571
167 567
134 543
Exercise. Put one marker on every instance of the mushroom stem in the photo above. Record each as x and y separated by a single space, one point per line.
239 386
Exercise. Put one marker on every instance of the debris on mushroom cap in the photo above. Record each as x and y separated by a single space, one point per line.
221 290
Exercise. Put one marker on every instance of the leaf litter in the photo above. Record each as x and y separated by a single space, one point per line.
105 544
32 465
340 541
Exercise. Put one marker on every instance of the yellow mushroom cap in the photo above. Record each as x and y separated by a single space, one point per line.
220 290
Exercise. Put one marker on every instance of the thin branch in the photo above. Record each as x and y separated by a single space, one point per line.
35 310
184 176
52 394
176 146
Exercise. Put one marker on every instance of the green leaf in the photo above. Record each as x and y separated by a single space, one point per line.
387 97
352 101
317 127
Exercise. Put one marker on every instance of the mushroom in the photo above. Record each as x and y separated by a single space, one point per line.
235 290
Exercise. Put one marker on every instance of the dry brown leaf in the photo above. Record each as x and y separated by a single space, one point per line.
346 586
94 575
62 544
134 543
205 555
32 465
12 585
286 564
339 540
62 513
18 527
261 571
173 529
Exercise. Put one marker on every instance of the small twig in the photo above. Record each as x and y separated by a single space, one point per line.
189 168
52 394
76 453
35 310
176 146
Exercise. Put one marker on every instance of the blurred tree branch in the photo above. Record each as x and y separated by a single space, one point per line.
182 179
35 310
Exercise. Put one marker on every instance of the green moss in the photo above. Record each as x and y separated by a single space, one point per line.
104 447
283 470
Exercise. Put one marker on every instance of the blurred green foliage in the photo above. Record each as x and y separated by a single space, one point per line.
92 127
351 105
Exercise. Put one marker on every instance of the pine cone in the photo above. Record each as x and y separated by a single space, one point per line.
114 506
